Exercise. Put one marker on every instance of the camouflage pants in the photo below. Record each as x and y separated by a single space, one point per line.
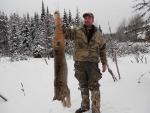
88 75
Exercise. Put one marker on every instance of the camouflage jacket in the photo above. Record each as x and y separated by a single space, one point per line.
93 51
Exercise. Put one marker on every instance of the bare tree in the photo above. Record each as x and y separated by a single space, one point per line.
114 57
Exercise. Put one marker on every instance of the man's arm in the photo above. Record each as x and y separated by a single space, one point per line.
69 33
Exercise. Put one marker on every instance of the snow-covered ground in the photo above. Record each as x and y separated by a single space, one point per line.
124 96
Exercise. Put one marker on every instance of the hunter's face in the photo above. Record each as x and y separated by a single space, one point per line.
88 20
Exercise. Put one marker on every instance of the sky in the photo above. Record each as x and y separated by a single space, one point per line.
105 11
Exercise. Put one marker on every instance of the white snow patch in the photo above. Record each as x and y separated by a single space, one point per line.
124 96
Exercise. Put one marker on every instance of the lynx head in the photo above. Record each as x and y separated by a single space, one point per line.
57 18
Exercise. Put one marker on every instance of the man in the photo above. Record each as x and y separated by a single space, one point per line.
90 49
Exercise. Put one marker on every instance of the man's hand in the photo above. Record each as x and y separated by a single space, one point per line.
104 67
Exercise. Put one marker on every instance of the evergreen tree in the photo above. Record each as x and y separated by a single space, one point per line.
65 20
14 35
41 40
26 39
47 11
28 17
27 36
77 19
3 34
43 11
70 20
36 19
49 21
32 29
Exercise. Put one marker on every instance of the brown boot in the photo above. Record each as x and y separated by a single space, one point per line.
95 101
80 110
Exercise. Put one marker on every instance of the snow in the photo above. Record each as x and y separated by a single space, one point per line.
124 96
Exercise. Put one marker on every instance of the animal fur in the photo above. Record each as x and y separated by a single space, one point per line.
61 90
